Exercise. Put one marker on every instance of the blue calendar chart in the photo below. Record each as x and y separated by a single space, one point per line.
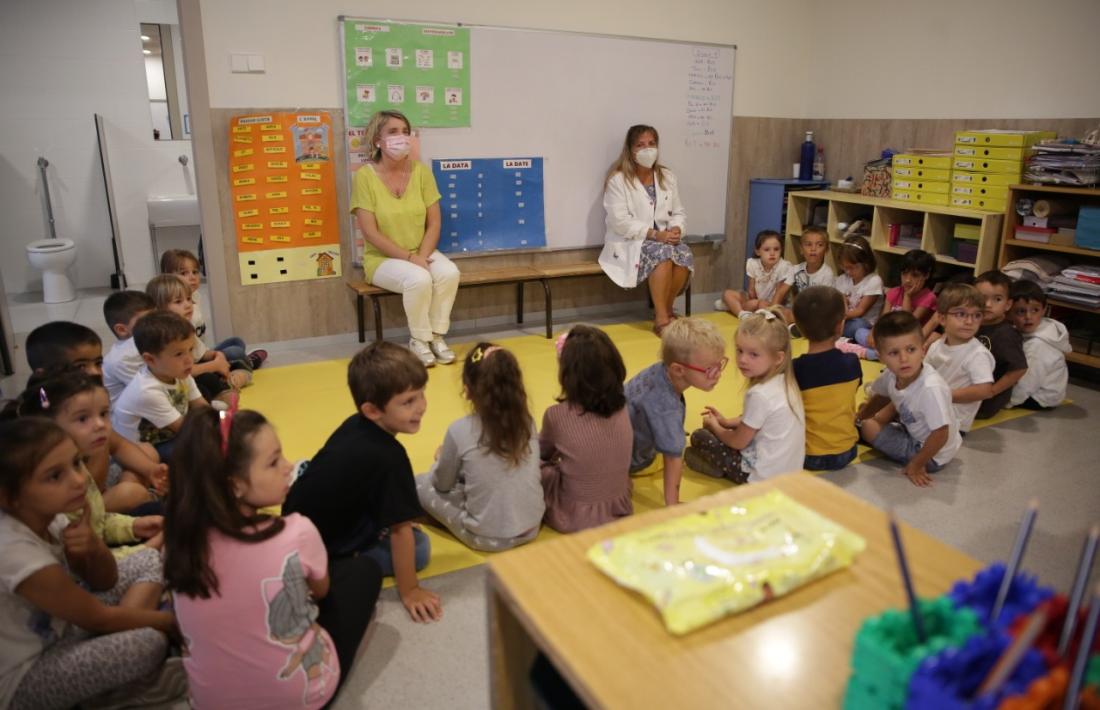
490 204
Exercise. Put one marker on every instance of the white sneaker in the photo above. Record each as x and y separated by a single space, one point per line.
720 305
422 351
443 353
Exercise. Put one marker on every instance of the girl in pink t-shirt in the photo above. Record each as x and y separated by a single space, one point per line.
246 584
913 295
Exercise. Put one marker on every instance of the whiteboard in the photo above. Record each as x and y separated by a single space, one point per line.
569 98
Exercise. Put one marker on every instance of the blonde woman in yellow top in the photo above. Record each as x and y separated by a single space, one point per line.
396 205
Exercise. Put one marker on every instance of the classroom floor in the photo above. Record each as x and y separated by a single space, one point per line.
975 506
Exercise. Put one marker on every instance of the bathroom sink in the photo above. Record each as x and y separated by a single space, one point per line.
173 210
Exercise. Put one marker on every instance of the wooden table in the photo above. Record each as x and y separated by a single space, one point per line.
612 648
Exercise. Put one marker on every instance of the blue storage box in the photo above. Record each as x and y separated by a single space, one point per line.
1088 228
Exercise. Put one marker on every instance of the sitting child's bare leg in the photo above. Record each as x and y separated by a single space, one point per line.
149 450
733 300
126 495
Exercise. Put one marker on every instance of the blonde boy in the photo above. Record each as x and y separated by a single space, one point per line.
958 356
692 355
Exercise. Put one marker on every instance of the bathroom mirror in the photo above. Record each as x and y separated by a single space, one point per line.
165 81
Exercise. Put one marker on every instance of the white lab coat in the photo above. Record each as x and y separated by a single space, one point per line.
1047 375
629 217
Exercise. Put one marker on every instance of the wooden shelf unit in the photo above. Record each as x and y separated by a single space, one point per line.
937 227
1012 249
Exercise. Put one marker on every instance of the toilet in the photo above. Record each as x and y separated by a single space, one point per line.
53 257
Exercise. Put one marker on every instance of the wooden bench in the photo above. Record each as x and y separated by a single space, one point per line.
518 275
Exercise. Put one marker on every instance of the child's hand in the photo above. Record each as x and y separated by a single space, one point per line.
159 478
148 526
918 475
423 606
918 284
78 537
726 423
221 365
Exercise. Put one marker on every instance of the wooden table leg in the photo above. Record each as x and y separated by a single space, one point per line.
687 300
511 653
362 317
519 303
549 309
377 318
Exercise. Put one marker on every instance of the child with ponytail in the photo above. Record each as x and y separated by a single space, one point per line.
256 596
769 438
484 486
63 644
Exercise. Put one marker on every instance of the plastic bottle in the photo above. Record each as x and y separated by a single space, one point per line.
806 159
819 164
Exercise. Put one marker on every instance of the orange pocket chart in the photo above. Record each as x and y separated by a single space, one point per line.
289 154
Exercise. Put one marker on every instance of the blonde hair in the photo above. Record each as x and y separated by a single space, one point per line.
684 336
626 164
374 131
767 326
166 288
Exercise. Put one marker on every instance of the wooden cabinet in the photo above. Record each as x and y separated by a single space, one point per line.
937 226
1079 318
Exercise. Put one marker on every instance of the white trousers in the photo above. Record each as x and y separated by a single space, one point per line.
427 295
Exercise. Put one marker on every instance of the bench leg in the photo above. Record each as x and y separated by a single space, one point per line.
687 300
549 309
519 303
361 315
377 318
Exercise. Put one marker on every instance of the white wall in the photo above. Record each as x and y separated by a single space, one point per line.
301 47
61 62
952 59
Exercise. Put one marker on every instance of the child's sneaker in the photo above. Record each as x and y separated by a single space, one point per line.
720 305
845 345
256 358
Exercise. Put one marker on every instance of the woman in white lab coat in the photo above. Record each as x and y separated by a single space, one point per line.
645 225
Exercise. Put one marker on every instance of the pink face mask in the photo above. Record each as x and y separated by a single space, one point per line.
396 147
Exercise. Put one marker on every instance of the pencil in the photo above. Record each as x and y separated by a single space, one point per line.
1087 637
1014 559
1080 581
903 565
1002 670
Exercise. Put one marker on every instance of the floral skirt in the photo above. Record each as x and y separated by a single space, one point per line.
653 253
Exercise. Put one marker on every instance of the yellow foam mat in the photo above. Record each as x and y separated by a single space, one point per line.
307 402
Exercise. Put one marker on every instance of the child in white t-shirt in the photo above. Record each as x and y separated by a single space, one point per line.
960 358
1046 342
769 438
925 436
122 310
813 271
860 285
767 272
152 407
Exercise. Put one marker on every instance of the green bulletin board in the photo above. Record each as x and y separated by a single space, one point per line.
422 71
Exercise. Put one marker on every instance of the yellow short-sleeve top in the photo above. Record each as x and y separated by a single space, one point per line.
402 219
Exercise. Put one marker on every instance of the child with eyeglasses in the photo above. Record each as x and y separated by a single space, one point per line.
692 355
958 356
769 438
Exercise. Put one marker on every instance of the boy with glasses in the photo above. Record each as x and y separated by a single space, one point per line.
958 356
692 355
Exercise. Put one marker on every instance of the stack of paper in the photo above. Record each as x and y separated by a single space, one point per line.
1077 284
1064 163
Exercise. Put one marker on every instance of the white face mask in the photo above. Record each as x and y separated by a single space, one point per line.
646 157
396 147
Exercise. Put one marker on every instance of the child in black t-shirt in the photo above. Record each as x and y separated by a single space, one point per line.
359 489
1004 341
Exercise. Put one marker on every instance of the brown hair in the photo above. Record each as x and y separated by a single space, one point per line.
203 500
764 235
494 386
591 372
1028 291
894 325
166 288
856 250
954 295
381 371
156 331
996 278
817 311
374 131
49 345
815 230
121 306
25 442
46 392
626 164
173 260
